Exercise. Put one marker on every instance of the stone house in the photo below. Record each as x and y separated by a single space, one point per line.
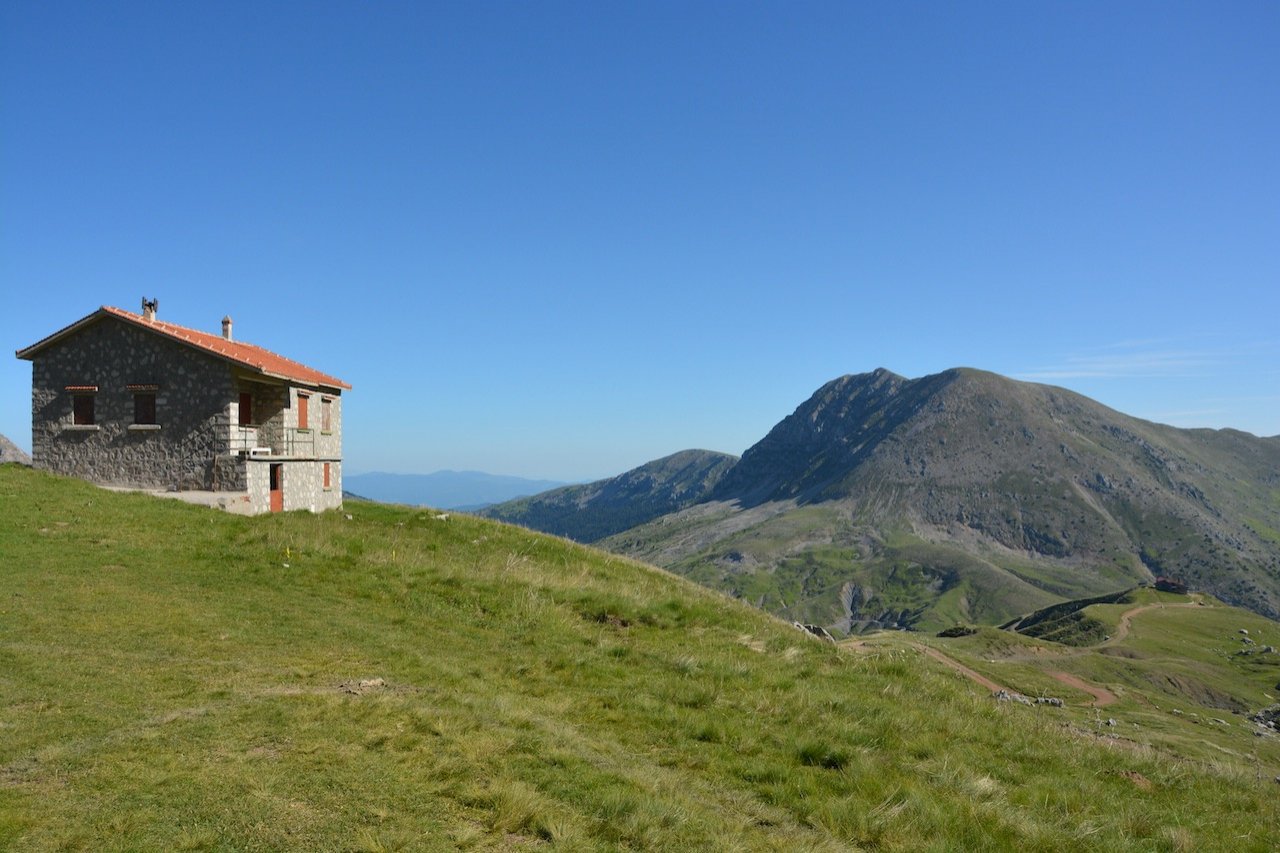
125 399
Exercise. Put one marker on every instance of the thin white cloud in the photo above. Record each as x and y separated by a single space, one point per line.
1209 364
1197 415
1131 364
1137 343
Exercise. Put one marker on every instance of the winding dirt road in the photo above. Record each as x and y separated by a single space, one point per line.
962 669
1102 697
1122 629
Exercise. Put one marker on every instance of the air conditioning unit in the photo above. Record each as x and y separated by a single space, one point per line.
259 452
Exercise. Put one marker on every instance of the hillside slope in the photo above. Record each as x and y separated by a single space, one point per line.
177 678
885 501
592 511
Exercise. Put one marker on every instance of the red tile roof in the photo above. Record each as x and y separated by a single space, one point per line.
244 355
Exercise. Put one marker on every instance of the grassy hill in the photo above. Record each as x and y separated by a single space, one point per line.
174 678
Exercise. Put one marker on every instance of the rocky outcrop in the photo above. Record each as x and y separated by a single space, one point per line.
865 611
10 452
816 630
1008 696
1268 718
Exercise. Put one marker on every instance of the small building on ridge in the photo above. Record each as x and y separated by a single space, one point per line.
124 399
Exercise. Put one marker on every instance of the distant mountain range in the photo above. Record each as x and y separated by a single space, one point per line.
961 496
443 489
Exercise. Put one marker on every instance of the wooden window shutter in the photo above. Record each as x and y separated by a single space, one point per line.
82 410
144 407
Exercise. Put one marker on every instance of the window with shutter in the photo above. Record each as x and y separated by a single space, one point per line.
144 407
82 410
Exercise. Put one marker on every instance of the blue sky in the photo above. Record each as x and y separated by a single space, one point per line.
561 239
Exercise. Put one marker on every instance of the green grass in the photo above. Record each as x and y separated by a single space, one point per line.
173 678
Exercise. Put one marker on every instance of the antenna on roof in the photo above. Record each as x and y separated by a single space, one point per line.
149 307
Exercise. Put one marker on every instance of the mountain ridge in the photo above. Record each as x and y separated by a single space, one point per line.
982 486
592 511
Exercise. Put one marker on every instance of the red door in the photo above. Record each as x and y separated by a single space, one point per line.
277 488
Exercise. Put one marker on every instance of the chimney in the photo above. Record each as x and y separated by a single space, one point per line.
226 327
149 307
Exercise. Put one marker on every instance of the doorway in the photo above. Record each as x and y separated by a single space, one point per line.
277 487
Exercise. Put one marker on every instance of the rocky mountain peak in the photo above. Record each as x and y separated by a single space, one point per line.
827 436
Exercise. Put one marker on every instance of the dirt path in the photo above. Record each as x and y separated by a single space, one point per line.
977 677
1122 629
1102 697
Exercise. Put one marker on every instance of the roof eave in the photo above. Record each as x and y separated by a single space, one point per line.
28 353
335 385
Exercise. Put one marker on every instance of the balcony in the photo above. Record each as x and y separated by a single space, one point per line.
271 439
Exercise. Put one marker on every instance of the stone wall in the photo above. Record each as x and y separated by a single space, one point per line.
258 484
334 497
229 474
303 484
329 442
192 411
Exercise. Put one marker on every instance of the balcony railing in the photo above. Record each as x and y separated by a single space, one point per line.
279 440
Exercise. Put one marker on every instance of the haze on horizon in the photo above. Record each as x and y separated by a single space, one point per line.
559 240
